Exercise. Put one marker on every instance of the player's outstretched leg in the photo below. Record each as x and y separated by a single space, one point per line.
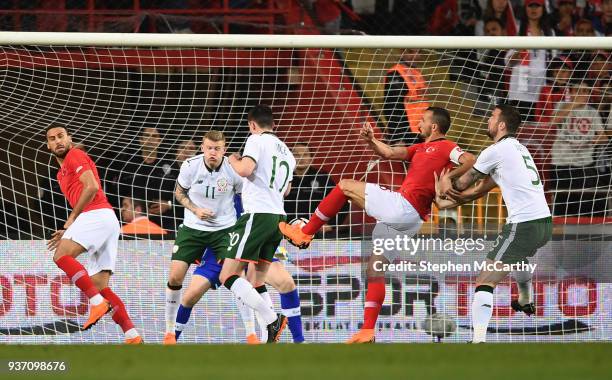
64 258
121 317
327 209
375 296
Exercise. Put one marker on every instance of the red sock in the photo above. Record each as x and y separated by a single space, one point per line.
328 208
78 275
375 297
120 315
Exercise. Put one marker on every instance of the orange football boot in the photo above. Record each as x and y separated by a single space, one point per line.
137 340
252 339
170 338
294 235
96 312
362 336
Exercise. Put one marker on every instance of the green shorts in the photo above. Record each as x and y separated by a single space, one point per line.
519 241
190 243
254 237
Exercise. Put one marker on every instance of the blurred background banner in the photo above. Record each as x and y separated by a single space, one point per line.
40 306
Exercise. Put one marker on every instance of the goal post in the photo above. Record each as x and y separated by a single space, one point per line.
123 94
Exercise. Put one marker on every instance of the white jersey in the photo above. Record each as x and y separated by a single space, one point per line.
511 166
213 189
264 190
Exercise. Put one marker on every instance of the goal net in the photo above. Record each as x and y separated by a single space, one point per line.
140 104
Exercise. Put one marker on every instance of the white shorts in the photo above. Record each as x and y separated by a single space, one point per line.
98 232
395 216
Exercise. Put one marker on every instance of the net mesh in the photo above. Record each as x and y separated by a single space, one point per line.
138 112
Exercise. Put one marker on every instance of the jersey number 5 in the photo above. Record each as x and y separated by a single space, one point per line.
528 160
274 170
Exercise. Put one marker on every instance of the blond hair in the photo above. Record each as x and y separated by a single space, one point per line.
215 136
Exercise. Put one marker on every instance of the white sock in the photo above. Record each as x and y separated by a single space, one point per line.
244 291
96 300
173 297
248 317
263 327
131 333
482 310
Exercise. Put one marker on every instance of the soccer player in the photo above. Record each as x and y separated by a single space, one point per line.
509 164
267 167
396 212
91 227
206 186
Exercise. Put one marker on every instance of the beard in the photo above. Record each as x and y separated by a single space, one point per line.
63 154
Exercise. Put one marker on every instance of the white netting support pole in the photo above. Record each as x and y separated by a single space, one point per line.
300 41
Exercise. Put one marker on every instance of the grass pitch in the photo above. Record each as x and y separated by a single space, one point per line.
317 362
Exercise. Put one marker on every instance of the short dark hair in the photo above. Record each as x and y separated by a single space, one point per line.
262 115
55 124
441 118
511 116
494 19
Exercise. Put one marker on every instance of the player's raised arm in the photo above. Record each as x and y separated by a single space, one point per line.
90 188
380 148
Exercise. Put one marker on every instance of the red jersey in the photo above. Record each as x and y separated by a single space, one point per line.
76 163
425 159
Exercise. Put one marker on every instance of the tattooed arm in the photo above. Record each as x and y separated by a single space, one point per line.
468 179
183 198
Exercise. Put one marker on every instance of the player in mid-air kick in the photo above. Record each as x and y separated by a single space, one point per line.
396 212
91 227
507 164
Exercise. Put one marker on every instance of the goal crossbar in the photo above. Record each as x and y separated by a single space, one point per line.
300 41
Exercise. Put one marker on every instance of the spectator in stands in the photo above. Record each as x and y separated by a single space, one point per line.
133 215
483 69
469 15
584 28
184 150
445 18
501 10
309 186
556 90
328 14
405 102
596 66
580 131
565 18
148 176
603 23
528 67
